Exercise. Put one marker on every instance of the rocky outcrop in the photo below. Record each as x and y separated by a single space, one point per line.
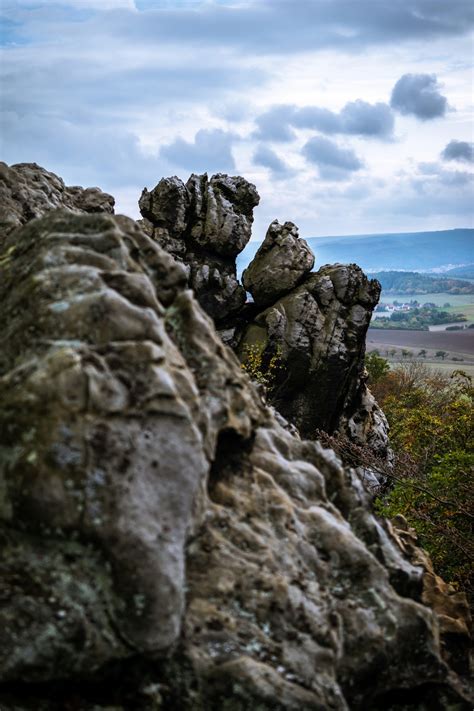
281 263
206 224
317 332
312 326
106 443
28 191
167 542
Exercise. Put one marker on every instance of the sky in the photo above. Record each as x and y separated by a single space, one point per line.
350 116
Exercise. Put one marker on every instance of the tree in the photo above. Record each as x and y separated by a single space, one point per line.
376 366
441 354
422 353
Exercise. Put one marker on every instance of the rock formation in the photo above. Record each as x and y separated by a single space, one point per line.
318 331
206 224
28 191
168 542
281 263
315 323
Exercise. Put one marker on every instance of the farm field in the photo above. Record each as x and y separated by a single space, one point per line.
400 347
466 309
456 300
460 342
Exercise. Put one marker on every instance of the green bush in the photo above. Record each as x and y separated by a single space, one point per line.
376 366
431 417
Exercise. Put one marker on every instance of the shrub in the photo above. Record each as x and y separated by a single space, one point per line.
261 368
431 416
376 366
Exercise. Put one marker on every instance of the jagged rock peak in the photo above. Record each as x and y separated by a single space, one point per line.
205 223
28 191
215 214
280 264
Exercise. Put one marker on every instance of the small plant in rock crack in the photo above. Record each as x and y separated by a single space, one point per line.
261 367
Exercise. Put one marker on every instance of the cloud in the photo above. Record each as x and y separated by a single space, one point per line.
357 118
285 26
267 158
430 191
418 95
437 173
334 162
273 125
459 150
363 119
80 153
272 27
209 152
101 5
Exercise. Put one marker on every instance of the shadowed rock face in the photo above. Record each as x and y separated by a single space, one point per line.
318 332
206 224
28 191
155 515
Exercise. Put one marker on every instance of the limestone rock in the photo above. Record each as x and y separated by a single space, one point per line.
205 224
317 332
281 263
364 422
167 542
28 191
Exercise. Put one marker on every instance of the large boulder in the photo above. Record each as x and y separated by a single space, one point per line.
28 191
205 223
167 541
280 264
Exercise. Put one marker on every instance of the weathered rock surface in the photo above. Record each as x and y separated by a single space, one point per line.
281 263
167 543
28 191
364 422
205 224
317 332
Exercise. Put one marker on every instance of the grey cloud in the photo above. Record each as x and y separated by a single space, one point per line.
418 95
210 151
438 174
363 119
459 150
286 26
35 79
357 118
273 125
267 158
317 118
280 26
334 162
80 153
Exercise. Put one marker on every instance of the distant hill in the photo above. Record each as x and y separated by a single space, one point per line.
412 283
408 251
466 272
